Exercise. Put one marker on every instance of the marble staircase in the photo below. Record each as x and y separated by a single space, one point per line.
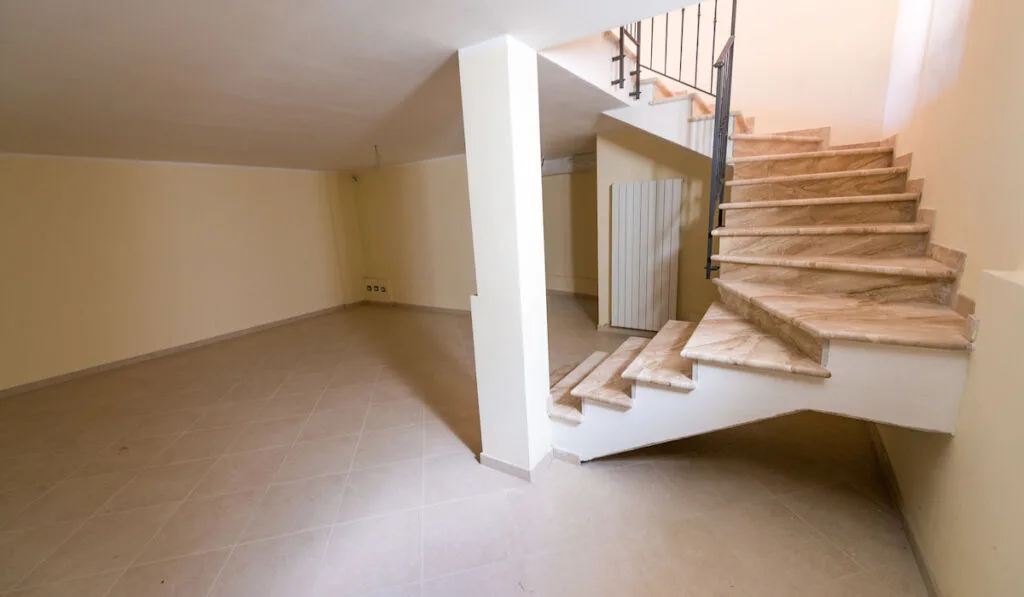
831 298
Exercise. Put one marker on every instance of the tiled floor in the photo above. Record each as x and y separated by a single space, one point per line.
335 457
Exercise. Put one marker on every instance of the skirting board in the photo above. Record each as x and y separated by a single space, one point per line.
510 469
52 381
889 476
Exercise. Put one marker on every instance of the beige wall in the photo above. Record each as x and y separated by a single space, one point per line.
416 232
104 260
963 496
570 232
629 155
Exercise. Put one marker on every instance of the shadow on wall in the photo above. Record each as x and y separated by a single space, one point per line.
570 232
628 154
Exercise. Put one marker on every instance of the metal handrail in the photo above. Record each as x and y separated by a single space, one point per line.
719 153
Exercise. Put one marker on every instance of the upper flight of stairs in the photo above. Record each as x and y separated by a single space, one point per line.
832 298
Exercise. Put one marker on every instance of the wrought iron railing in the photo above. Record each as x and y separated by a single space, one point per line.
719 154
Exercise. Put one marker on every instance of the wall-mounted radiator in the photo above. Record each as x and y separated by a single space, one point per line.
646 228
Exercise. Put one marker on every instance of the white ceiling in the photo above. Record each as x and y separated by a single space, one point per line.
306 83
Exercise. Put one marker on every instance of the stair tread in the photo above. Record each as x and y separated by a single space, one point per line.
660 362
821 201
824 153
756 137
916 267
562 404
838 317
723 336
605 383
824 229
741 182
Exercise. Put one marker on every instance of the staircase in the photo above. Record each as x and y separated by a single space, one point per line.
831 299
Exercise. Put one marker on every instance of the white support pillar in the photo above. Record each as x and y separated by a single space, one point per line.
510 324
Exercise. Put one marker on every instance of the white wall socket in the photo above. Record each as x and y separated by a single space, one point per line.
377 290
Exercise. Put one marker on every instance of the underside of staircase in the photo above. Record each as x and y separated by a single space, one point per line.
831 298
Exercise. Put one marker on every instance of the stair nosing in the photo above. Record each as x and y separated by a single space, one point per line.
943 273
962 344
824 230
859 173
823 153
791 138
680 381
811 201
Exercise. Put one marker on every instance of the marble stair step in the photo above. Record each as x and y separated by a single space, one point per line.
862 209
824 229
748 144
811 162
725 337
562 405
660 361
834 317
605 383
878 278
868 181
879 240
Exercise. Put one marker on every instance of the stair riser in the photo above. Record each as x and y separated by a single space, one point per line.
788 167
749 147
878 287
876 245
843 186
808 344
809 215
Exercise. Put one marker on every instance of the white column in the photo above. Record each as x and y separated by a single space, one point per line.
510 330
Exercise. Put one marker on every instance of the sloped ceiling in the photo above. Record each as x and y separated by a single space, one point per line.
303 84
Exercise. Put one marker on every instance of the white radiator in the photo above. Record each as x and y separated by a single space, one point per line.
646 228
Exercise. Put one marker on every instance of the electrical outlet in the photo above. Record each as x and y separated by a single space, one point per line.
376 290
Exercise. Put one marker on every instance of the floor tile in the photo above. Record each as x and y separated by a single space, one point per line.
101 544
95 585
373 554
467 533
457 476
381 490
259 435
350 395
189 576
72 499
275 567
320 457
344 420
245 470
289 405
297 506
198 445
126 455
23 550
389 445
159 485
203 525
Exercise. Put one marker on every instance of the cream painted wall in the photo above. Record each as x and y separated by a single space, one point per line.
960 116
103 260
414 220
570 232
629 155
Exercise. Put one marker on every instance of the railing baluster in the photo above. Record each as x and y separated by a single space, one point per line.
714 35
696 50
665 60
682 25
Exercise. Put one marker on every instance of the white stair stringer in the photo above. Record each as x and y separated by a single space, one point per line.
919 388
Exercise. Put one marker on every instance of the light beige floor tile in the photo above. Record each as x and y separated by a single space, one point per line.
164 423
395 389
299 384
259 435
321 457
230 413
343 420
381 490
23 550
372 555
389 445
13 502
348 395
95 585
289 405
190 576
274 567
103 543
29 472
504 579
297 506
159 485
247 391
203 525
126 455
467 533
72 499
394 412
457 476
245 470
458 435
198 445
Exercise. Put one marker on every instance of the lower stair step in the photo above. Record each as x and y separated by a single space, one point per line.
605 383
562 405
832 317
911 267
727 338
660 362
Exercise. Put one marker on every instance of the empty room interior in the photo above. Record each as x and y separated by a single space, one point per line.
659 298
